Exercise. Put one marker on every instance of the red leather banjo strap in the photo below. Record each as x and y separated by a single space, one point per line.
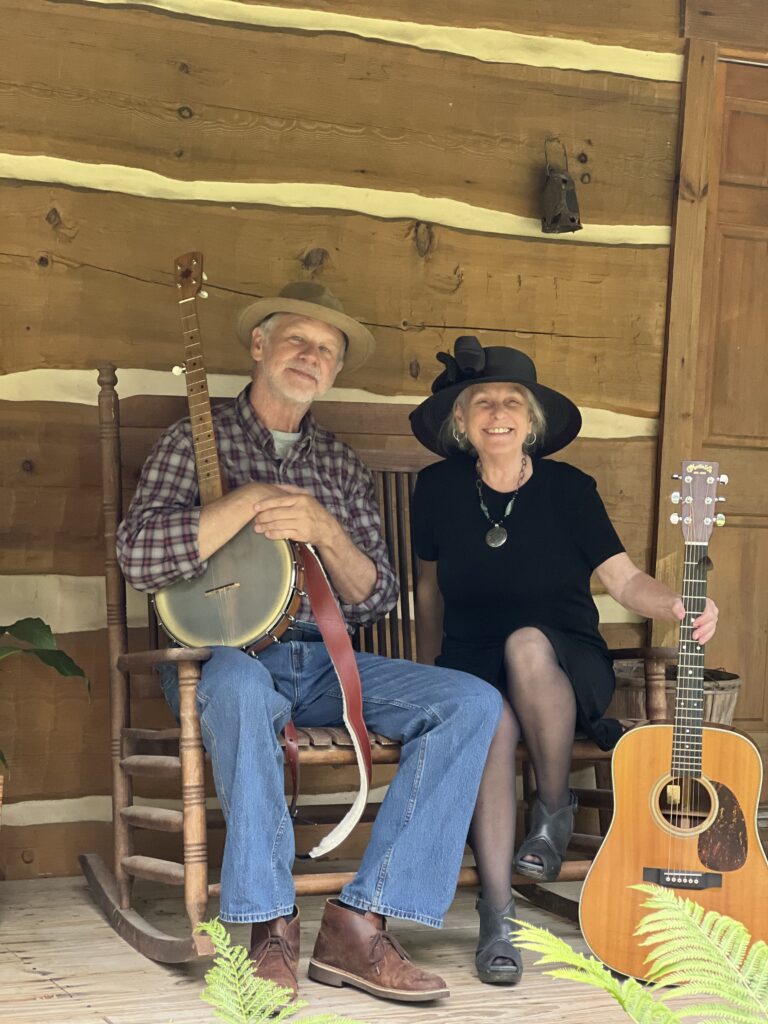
327 615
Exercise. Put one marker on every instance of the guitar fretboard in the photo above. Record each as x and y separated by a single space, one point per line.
203 437
689 707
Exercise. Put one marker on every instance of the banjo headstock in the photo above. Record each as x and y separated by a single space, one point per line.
189 276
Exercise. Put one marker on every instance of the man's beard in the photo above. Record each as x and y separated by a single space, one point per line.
291 388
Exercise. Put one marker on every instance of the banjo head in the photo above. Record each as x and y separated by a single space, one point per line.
245 591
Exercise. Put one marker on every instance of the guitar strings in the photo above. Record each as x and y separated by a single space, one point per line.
697 711
687 761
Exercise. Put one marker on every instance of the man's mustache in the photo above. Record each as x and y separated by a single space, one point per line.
307 370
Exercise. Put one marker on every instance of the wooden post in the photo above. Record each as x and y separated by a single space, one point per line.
193 793
117 629
655 689
677 426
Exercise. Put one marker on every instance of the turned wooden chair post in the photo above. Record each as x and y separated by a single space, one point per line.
655 687
119 694
193 790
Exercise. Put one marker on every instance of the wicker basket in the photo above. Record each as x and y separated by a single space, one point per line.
721 691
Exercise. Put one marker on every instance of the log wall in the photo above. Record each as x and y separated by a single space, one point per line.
394 152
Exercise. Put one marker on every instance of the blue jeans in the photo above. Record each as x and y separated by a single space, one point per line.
445 720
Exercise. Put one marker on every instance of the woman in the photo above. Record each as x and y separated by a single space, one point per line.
507 542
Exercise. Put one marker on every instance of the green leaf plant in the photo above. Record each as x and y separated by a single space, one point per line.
703 954
239 997
36 640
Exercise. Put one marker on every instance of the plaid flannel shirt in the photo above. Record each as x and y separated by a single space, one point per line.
157 541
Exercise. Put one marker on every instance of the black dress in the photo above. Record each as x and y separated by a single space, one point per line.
558 533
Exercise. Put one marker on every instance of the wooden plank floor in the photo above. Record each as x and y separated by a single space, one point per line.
60 963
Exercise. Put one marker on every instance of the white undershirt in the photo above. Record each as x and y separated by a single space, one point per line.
284 441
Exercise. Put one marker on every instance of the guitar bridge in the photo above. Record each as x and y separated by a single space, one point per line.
668 878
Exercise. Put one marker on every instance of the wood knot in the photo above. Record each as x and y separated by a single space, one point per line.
582 158
184 67
27 465
424 238
43 261
585 178
53 217
414 368
185 113
314 259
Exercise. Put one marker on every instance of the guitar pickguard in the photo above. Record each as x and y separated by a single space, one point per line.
723 846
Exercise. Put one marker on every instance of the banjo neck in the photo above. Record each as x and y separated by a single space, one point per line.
189 280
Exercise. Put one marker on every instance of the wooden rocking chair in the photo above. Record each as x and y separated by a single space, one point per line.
381 435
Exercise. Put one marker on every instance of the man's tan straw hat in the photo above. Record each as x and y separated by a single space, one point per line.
308 298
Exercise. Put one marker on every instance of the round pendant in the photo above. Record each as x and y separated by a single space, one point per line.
496 536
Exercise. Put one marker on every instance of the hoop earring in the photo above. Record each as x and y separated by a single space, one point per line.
457 436
530 441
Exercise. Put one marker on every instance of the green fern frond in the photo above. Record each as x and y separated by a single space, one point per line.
705 954
755 970
640 1006
239 997
715 1013
634 998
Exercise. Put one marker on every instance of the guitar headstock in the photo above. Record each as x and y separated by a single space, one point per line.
188 275
698 500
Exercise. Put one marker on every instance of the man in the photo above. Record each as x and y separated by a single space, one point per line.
296 481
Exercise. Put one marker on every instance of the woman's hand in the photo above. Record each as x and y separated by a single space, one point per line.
641 593
704 625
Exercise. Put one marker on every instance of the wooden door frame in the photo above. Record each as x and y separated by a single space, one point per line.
698 165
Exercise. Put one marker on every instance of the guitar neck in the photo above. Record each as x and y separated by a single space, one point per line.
209 477
689 706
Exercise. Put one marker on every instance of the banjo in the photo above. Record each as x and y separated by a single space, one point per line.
252 586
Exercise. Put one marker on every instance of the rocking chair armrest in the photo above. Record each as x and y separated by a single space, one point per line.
138 660
644 653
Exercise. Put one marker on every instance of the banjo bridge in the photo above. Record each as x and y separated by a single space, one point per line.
218 590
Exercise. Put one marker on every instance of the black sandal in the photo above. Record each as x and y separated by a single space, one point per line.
494 944
548 840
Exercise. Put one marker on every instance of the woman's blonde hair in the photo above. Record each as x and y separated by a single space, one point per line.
451 435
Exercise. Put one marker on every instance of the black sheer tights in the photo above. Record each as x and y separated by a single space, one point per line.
542 707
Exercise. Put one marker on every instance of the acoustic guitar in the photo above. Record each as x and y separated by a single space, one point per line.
685 793
251 587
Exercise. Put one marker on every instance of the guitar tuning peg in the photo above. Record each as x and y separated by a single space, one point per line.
723 478
720 497
205 276
676 476
202 295
719 519
674 518
675 497
178 371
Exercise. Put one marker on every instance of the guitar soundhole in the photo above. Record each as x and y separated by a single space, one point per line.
685 805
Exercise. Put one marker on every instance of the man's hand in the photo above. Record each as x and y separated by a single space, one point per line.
222 519
295 514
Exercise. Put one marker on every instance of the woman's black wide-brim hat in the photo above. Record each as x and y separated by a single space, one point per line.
473 364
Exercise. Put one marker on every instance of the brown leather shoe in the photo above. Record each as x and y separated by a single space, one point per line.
275 951
355 949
